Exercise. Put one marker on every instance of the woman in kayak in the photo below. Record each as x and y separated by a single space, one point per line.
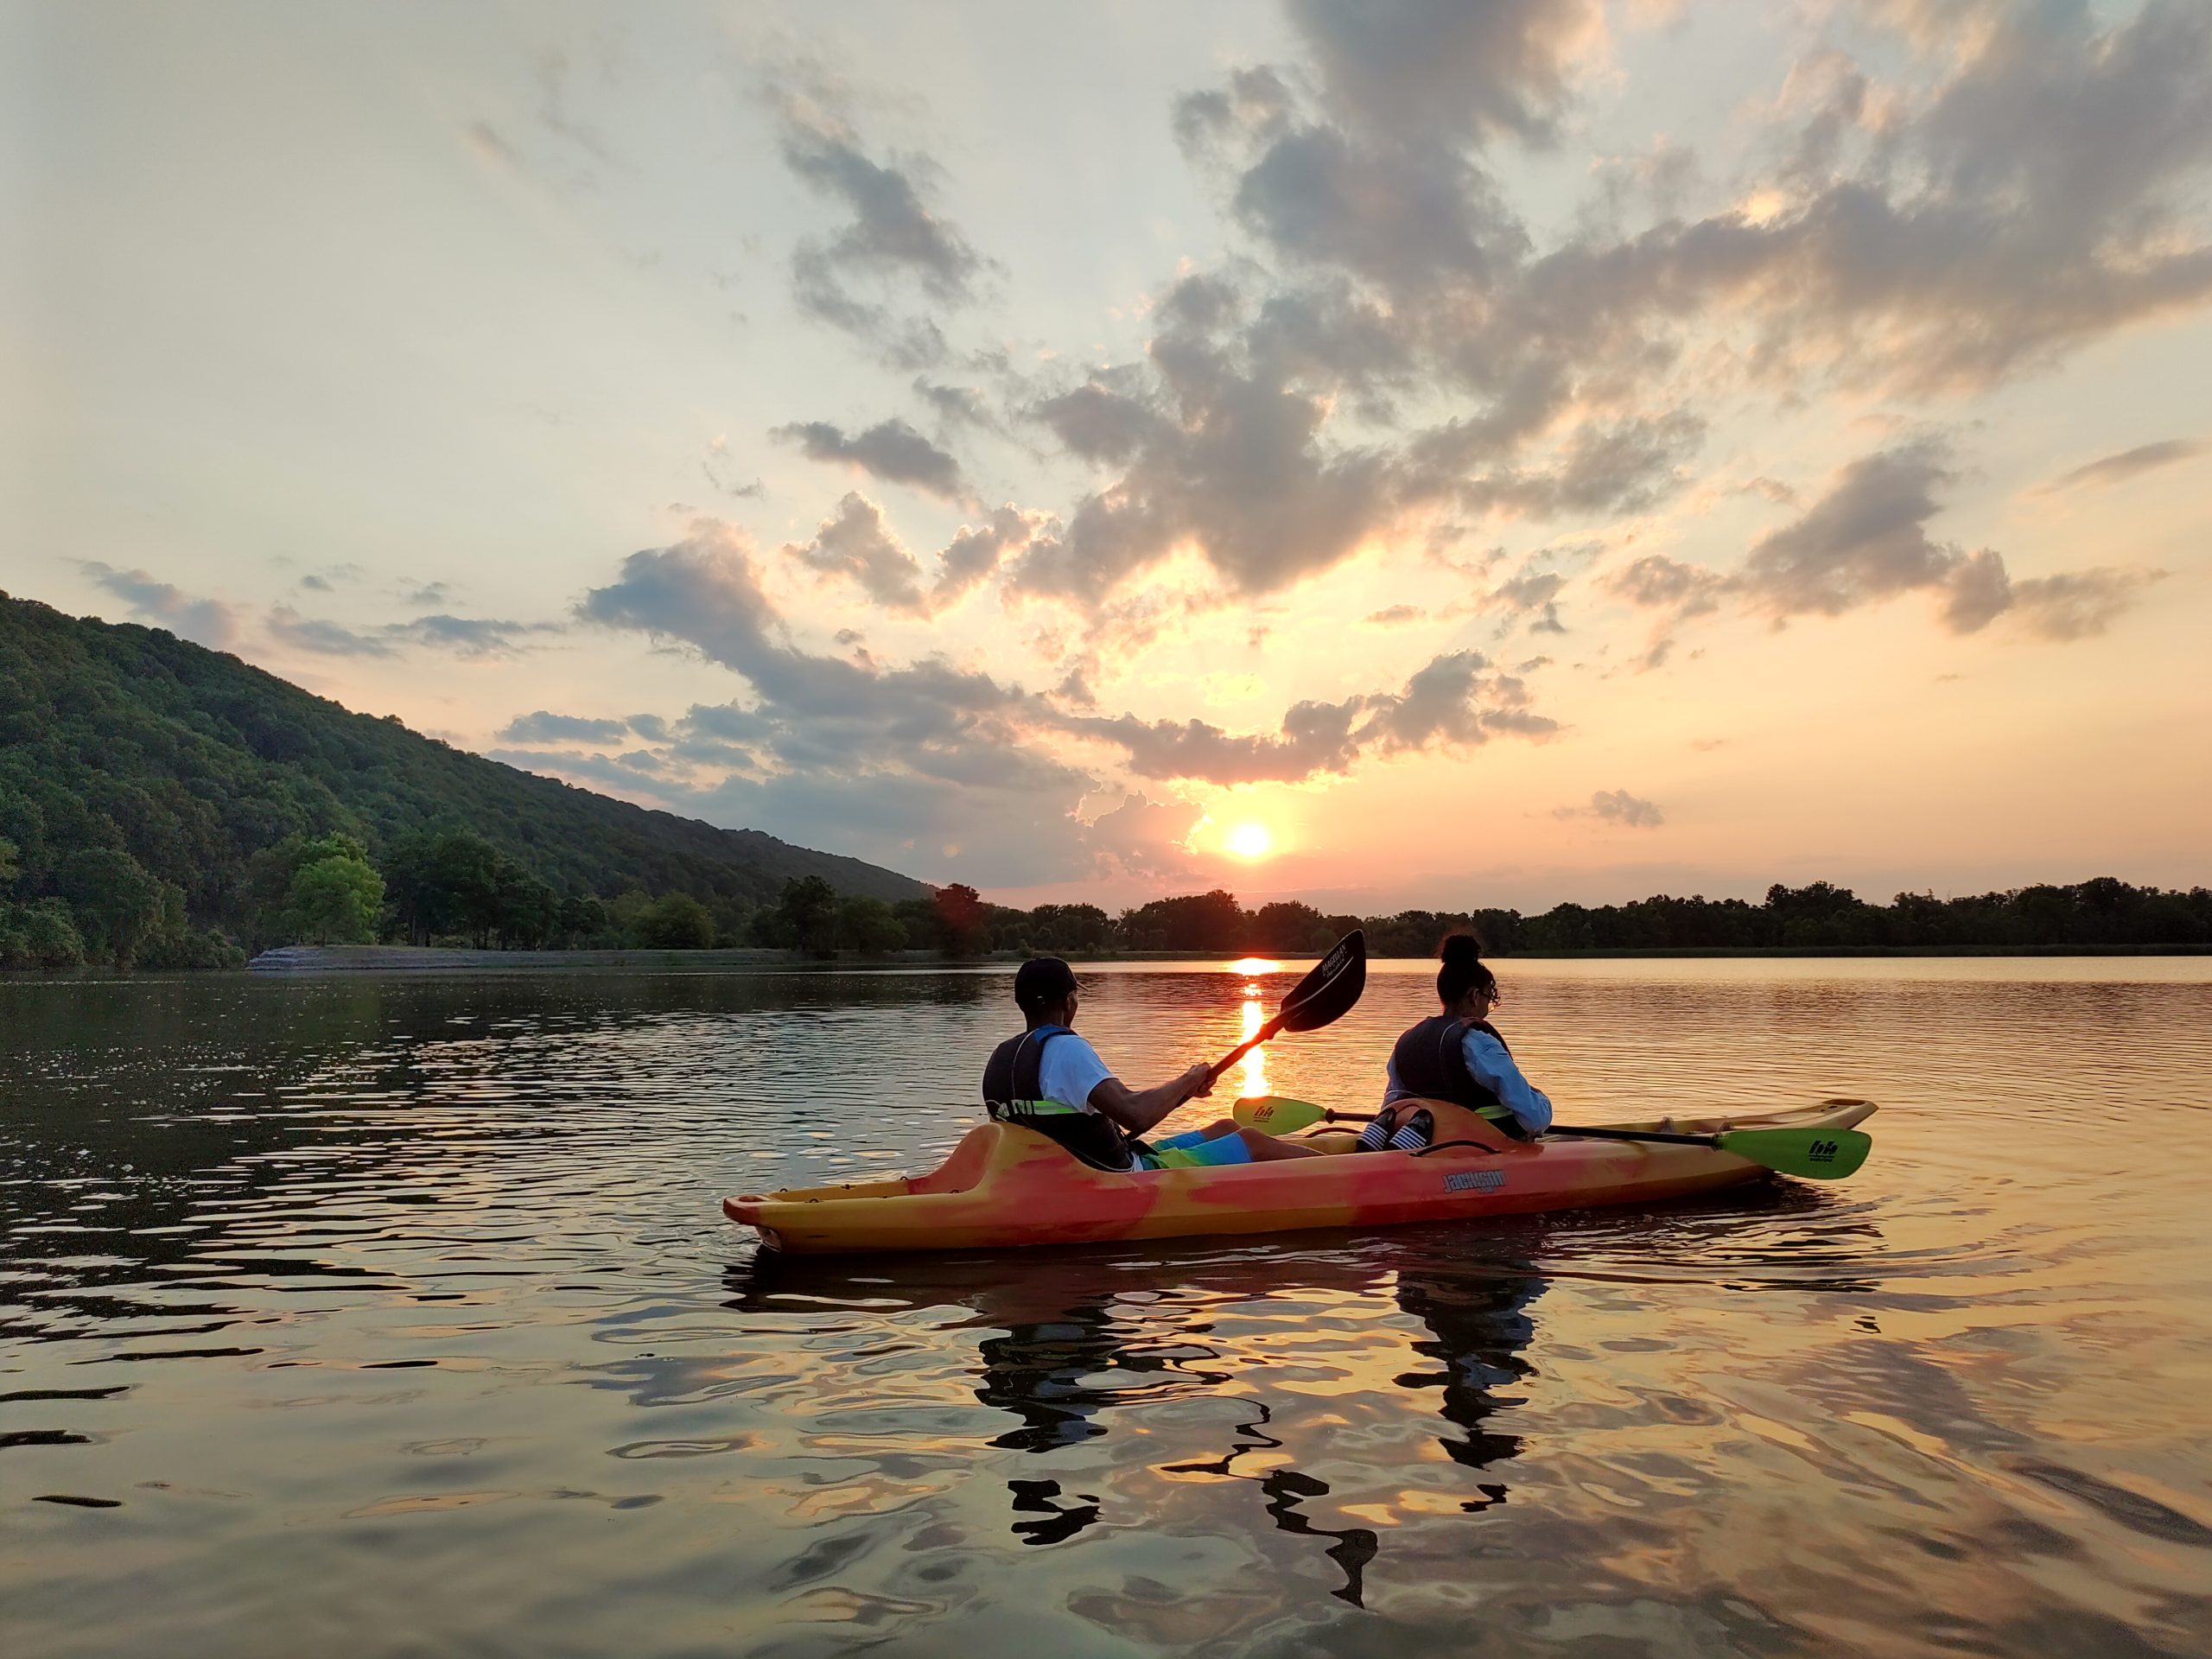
1051 1080
1457 1056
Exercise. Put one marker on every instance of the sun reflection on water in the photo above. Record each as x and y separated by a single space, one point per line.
1256 1063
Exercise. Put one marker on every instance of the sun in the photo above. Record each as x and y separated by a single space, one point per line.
1250 841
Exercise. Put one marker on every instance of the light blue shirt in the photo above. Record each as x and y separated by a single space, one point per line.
1491 1067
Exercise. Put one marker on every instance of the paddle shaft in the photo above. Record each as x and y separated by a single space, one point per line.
1637 1134
1243 1048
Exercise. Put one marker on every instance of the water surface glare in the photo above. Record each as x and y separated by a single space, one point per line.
398 1317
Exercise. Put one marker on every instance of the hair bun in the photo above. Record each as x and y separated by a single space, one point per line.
1462 950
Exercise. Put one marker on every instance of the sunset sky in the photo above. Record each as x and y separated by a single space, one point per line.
1385 453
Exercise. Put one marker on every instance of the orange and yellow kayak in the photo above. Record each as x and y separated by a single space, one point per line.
1005 1187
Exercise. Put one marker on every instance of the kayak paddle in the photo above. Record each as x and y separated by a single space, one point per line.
1323 996
1817 1154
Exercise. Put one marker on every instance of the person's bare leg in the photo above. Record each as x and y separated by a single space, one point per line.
1266 1149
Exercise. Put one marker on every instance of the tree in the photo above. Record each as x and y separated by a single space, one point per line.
335 900
804 918
676 921
115 902
960 921
867 925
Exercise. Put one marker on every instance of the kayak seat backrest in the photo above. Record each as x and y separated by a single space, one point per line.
966 1165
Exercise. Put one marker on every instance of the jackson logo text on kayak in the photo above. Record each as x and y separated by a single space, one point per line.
1475 1180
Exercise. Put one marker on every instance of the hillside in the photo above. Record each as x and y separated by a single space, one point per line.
119 738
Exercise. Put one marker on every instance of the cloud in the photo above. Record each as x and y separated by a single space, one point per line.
1145 837
2077 606
1531 592
288 627
1866 540
890 237
1392 616
209 622
954 406
469 637
2112 469
1419 71
858 545
977 552
721 470
1616 806
891 450
543 726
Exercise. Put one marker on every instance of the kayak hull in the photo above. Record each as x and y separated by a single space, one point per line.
1008 1188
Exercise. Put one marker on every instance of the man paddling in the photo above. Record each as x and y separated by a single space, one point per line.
1051 1080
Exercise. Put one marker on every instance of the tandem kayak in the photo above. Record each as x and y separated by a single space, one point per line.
1007 1186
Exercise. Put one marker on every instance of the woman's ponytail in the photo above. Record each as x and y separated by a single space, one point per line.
1464 970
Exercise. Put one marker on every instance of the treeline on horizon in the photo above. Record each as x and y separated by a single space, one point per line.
1819 916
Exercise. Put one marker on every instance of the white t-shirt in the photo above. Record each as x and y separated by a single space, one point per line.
1069 1070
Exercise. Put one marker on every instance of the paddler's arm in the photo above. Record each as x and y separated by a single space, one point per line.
1138 1109
1493 1068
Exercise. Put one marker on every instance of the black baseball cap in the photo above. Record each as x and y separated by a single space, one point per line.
1041 980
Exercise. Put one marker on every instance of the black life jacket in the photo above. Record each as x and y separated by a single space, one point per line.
1013 1093
1430 1063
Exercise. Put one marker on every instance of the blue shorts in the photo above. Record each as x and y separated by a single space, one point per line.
1191 1150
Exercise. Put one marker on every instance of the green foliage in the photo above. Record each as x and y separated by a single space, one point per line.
335 900
126 740
804 917
115 903
676 921
38 935
867 925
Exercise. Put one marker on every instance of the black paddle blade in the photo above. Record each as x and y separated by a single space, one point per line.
1329 991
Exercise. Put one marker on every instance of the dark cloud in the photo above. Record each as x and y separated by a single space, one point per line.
207 622
288 627
977 552
891 450
1616 806
1865 540
545 726
858 545
1421 71
2112 469
954 406
890 239
1533 592
464 636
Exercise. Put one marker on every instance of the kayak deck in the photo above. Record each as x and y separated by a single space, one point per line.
1006 1186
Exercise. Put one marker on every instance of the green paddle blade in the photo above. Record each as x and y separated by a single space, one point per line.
1817 1154
1276 1114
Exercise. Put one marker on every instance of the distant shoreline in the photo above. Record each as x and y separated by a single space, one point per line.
305 959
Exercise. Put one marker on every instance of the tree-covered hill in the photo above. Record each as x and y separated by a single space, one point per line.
141 774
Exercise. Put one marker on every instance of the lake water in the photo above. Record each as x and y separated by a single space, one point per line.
363 1316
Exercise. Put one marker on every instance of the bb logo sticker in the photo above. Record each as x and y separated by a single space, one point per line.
1475 1180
